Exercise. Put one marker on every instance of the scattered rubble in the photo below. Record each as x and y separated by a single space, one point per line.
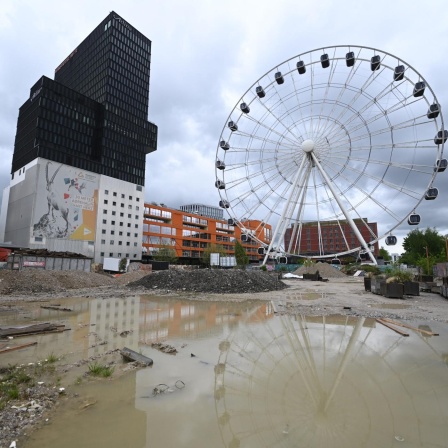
165 348
214 281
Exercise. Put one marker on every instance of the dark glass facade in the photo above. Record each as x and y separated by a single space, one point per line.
94 114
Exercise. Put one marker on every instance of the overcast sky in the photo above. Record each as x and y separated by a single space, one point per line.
205 55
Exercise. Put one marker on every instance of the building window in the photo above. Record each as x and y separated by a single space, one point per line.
127 255
128 234
120 233
105 201
113 223
102 254
122 196
104 212
121 224
130 207
121 205
129 215
130 198
121 214
113 213
114 203
128 243
129 224
106 191
120 243
112 242
115 193
103 231
137 199
103 241
104 221
135 255
136 235
137 207
112 232
119 254
136 226
135 244
111 254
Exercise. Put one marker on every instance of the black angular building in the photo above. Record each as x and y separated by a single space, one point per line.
93 115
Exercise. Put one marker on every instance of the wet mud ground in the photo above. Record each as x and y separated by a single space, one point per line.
90 328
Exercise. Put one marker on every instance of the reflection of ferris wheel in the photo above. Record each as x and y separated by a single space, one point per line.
342 134
328 381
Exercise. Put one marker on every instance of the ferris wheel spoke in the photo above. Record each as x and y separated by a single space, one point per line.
293 138
369 195
272 130
360 92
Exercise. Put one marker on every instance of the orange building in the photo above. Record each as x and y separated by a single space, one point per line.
189 234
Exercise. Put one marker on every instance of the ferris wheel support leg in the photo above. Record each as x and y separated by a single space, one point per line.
347 355
343 210
294 233
285 209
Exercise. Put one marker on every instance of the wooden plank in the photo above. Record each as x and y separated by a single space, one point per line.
30 329
391 327
400 324
17 347
131 355
55 307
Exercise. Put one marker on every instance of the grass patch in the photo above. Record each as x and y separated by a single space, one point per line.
52 358
96 369
13 381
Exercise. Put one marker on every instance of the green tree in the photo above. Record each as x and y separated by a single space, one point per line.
385 254
212 249
423 249
123 265
165 253
242 260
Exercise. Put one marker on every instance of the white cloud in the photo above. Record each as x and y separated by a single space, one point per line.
205 56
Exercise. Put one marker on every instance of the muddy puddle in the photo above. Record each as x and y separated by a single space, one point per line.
245 377
390 306
309 295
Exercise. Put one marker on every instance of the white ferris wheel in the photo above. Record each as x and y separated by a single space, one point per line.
344 134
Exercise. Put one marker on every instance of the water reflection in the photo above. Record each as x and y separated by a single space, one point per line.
330 381
254 379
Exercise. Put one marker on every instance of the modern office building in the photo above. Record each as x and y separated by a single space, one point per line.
189 234
78 168
330 237
204 210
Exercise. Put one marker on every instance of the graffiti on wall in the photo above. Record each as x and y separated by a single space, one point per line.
66 202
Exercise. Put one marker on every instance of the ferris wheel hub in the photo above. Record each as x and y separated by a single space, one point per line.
308 146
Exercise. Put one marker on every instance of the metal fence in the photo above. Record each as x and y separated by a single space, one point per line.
32 262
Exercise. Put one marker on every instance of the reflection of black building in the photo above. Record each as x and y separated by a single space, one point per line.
94 115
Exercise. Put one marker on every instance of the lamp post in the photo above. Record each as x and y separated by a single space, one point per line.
427 260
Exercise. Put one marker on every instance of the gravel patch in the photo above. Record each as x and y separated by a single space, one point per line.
325 270
215 281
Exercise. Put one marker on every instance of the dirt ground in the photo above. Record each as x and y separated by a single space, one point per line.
341 295
338 295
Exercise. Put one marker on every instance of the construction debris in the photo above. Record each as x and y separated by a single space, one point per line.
27 330
388 325
165 348
215 281
55 307
131 355
17 347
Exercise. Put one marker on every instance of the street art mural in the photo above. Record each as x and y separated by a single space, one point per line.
66 202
